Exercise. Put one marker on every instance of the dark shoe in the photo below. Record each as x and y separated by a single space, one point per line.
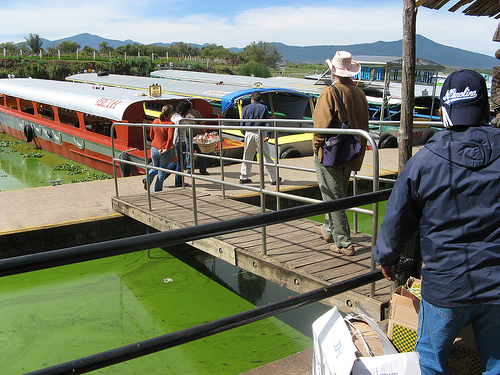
180 185
145 184
327 237
245 181
274 182
343 250
205 173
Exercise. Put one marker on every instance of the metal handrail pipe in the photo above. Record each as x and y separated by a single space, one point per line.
170 340
76 254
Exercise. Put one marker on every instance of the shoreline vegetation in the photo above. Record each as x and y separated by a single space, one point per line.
29 59
59 69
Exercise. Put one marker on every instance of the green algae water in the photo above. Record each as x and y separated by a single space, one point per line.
23 166
364 221
56 315
60 314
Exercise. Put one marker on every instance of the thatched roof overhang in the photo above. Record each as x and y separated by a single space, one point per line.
490 8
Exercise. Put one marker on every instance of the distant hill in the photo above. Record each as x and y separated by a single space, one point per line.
86 39
426 49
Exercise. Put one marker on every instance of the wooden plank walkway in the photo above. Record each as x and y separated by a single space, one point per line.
297 258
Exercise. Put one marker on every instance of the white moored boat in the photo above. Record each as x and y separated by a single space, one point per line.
74 120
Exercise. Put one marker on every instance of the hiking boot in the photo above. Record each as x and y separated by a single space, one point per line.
274 182
245 181
327 237
343 250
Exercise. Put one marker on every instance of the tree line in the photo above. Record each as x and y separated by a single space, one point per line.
257 52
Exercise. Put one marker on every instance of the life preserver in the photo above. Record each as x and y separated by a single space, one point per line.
28 133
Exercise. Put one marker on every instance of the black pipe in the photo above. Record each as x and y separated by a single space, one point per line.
54 258
128 352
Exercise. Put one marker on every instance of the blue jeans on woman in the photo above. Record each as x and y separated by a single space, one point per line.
438 327
160 161
177 165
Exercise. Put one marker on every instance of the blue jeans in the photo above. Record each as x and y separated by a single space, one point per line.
438 328
160 161
177 165
202 162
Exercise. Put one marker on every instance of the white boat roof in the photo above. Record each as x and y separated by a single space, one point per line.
396 62
298 84
209 91
108 102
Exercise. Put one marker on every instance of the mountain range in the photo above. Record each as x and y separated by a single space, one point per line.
426 49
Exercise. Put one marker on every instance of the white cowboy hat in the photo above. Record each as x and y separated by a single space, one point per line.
343 65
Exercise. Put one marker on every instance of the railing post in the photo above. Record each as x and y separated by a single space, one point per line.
354 193
146 169
262 195
373 264
193 183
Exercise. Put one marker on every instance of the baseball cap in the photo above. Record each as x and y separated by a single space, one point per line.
464 98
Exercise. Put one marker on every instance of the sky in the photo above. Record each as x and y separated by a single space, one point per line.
239 23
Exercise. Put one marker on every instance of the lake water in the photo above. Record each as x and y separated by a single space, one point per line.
23 166
60 314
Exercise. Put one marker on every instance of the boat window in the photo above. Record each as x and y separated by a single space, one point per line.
11 102
27 106
98 124
45 111
68 117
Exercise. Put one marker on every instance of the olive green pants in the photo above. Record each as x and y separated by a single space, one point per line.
333 184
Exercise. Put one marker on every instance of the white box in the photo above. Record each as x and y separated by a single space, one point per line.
336 354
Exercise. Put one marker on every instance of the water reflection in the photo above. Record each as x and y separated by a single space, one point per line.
253 288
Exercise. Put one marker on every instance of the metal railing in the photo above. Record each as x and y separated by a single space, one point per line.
54 258
261 163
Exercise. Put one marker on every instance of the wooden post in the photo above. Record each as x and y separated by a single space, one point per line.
405 134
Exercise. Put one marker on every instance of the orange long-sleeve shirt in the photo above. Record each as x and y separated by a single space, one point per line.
162 138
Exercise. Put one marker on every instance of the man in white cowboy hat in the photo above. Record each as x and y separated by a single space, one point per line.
333 181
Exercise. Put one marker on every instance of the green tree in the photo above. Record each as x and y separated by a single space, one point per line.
262 53
10 48
68 46
183 49
34 43
105 49
213 51
88 50
129 49
254 69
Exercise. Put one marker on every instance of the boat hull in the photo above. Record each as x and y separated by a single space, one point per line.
81 146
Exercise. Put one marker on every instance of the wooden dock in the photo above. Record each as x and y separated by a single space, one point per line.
296 257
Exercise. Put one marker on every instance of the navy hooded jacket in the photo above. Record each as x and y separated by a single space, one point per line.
450 189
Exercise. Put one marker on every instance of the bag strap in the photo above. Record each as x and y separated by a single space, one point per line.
342 106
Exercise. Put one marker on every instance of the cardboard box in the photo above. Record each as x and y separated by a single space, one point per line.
335 351
403 327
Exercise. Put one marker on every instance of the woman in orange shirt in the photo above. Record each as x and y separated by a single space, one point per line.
162 146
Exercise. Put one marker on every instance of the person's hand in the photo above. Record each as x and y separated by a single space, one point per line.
265 139
390 272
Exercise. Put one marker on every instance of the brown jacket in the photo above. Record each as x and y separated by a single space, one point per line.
328 114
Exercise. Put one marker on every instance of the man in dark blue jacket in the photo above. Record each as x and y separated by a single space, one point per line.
256 111
450 190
